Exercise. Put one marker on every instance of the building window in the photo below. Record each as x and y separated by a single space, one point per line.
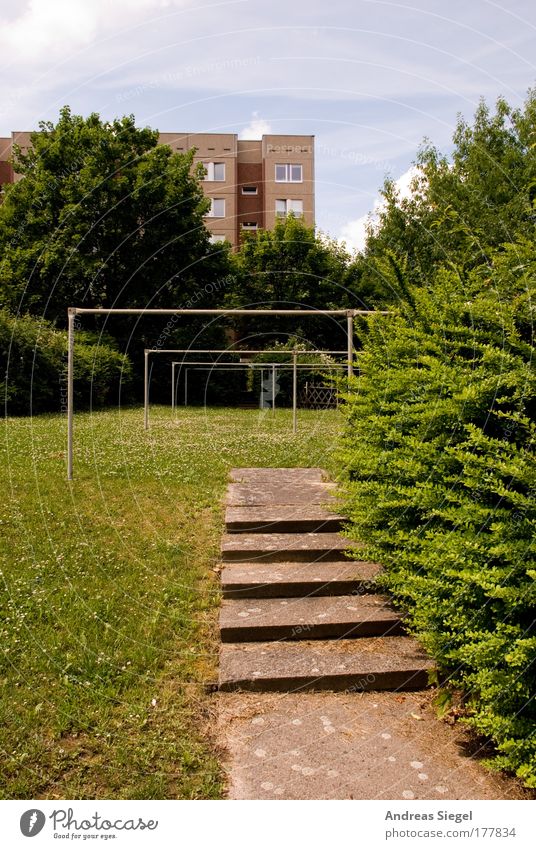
289 173
283 207
215 172
216 238
217 208
249 190
249 225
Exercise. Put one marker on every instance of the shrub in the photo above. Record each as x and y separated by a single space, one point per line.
440 481
33 357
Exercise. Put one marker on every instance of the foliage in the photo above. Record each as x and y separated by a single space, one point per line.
104 216
306 355
211 386
33 360
439 444
479 198
441 482
289 267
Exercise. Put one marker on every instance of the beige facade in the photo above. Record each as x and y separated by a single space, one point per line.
288 164
250 183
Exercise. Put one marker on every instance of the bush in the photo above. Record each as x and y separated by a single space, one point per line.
440 482
33 358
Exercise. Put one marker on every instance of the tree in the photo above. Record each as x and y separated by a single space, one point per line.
480 197
438 450
290 267
103 216
33 363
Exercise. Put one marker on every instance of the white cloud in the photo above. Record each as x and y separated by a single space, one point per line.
354 233
45 29
256 128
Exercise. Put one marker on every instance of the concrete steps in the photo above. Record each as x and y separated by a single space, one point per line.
282 519
276 487
307 618
296 613
375 663
288 580
276 547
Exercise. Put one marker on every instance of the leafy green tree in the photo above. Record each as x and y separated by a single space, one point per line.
103 216
289 267
438 450
33 363
479 197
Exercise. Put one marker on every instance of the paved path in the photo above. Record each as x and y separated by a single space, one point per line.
338 705
349 746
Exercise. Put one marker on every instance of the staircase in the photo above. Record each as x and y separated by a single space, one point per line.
296 613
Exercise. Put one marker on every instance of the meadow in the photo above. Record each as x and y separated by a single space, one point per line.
109 594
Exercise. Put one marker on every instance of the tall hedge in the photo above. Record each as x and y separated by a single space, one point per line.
33 363
440 479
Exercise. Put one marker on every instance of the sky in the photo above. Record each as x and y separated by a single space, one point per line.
369 78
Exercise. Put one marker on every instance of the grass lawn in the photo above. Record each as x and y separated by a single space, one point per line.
108 598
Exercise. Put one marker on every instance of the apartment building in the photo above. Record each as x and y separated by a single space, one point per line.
250 183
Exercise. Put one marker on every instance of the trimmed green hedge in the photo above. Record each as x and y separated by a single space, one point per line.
33 360
440 479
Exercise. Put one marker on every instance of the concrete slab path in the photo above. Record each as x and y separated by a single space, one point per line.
349 746
322 694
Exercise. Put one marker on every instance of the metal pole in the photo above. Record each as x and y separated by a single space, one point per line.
273 387
146 392
185 387
141 311
294 392
70 393
281 367
172 389
234 351
229 366
350 331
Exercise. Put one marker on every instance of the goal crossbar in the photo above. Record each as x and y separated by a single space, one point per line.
148 352
263 366
72 312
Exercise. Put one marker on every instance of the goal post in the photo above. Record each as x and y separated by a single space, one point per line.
72 312
204 365
228 351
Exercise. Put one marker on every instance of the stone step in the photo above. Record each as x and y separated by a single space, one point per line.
283 547
251 487
379 663
284 580
248 620
282 519
291 474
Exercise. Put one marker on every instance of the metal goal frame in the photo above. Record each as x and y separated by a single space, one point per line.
73 312
224 366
